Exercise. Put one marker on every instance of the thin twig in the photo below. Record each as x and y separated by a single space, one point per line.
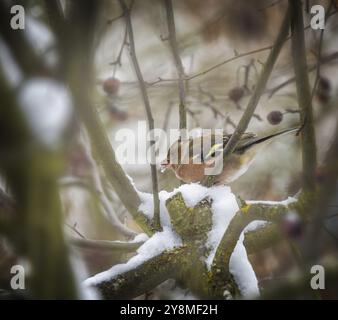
73 228
118 60
311 68
105 245
100 191
143 89
110 21
224 62
216 66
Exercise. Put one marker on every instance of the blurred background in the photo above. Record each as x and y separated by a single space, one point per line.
223 45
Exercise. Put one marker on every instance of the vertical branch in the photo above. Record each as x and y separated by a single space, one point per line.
79 78
318 212
304 95
178 63
32 171
143 89
252 104
319 52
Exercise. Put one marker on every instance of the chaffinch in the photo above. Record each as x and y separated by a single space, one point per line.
189 158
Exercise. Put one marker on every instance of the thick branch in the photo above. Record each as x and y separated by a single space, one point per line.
143 278
320 209
304 95
262 238
249 213
298 286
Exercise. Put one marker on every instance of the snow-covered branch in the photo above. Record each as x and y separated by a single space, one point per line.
208 223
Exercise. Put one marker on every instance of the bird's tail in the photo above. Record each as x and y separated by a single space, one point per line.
260 140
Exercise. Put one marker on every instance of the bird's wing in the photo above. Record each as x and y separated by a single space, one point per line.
245 139
216 148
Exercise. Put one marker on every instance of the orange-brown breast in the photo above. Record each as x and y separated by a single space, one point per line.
190 172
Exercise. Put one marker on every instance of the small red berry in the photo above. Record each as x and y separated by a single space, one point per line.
324 84
111 86
275 117
320 174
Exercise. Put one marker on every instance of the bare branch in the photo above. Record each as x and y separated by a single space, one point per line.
304 95
319 211
105 245
178 63
247 214
143 89
118 60
323 60
319 53
259 89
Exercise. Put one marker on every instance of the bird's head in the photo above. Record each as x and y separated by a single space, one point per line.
175 156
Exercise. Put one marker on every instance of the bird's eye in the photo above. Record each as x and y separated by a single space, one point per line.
213 149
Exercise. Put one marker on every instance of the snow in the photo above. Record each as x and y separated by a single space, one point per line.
242 271
141 237
47 106
224 207
254 225
192 194
9 67
285 202
158 243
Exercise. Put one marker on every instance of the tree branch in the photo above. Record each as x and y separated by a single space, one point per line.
321 61
105 245
80 82
259 89
304 95
130 284
247 214
143 89
178 63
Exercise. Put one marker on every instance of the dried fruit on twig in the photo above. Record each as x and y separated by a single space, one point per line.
323 90
275 117
236 94
111 86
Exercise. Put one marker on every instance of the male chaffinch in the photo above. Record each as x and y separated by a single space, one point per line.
189 158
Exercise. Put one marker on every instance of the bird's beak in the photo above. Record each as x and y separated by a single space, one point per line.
164 165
